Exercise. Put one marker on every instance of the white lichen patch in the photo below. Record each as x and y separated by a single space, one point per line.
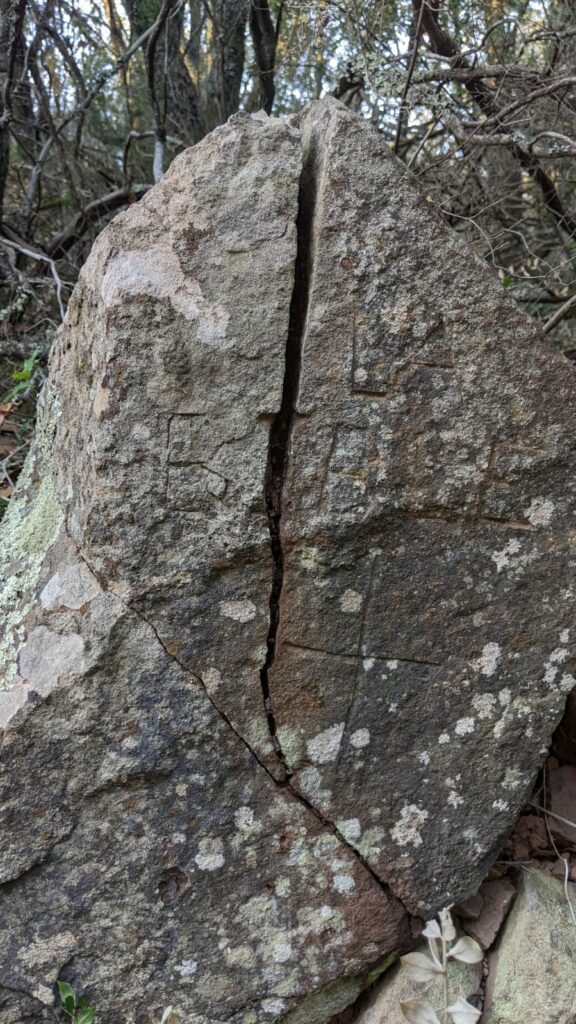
454 797
310 781
488 661
443 738
406 831
500 805
210 854
424 757
281 949
292 744
360 738
567 683
349 828
244 819
343 883
310 559
212 679
552 669
324 747
187 968
500 727
240 611
282 887
502 558
559 655
273 1006
540 512
370 845
464 726
351 601
484 704
512 779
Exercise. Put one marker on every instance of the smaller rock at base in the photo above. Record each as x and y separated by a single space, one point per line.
382 1004
470 909
562 787
532 968
497 898
558 867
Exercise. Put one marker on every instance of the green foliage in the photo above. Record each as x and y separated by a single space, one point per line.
77 1010
23 378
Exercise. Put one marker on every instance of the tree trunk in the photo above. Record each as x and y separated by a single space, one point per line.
174 96
264 39
227 46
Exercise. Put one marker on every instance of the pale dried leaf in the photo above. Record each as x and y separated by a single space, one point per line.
419 1011
432 930
420 967
463 1012
467 950
447 925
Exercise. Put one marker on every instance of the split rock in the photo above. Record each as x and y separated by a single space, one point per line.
286 594
497 898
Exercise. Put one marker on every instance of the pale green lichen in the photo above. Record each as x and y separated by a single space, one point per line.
292 745
29 527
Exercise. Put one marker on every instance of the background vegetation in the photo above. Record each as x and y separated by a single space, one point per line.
477 97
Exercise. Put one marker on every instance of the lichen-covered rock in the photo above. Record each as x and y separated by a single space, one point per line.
286 589
532 971
426 641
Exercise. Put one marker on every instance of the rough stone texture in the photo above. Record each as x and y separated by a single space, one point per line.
425 646
497 898
532 971
382 1005
286 600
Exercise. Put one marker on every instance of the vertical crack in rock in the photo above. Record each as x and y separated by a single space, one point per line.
281 428
276 469
283 784
277 466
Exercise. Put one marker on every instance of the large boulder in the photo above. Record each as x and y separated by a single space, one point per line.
287 589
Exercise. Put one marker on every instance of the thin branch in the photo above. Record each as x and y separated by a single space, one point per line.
34 254
409 73
559 315
62 242
81 107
